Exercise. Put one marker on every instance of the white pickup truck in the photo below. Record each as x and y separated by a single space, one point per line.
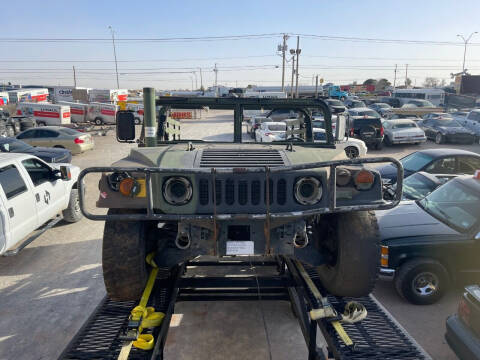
32 196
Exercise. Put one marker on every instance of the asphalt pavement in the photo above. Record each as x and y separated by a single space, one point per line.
50 288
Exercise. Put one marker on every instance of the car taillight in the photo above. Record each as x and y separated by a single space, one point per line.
381 130
464 311
352 131
268 134
255 126
78 141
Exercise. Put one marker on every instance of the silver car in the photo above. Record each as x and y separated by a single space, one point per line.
402 131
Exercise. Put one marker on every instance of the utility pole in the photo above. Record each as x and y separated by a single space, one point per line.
293 71
395 76
74 78
215 70
201 78
406 75
465 49
114 55
284 49
297 52
316 87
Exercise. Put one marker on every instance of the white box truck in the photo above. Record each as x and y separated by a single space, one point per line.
45 114
107 95
63 93
28 95
78 111
101 113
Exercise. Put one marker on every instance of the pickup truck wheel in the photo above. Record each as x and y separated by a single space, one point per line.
351 152
123 258
351 243
73 213
422 281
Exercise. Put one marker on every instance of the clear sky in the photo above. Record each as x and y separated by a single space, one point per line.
168 65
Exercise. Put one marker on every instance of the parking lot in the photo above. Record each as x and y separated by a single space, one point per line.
53 285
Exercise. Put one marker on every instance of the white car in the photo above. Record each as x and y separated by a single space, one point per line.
402 131
353 147
271 131
32 194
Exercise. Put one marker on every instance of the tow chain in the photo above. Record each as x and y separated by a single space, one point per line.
142 317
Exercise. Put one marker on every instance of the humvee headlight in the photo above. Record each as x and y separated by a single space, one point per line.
343 176
177 190
364 180
308 190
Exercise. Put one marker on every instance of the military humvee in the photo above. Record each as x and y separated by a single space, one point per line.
182 198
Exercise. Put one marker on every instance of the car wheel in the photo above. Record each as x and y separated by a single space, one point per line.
387 141
137 121
73 213
379 145
41 123
351 244
98 121
439 138
351 152
422 281
58 146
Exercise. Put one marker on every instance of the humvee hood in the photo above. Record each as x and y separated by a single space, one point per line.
226 155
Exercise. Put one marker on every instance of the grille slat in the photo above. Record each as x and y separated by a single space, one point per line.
244 158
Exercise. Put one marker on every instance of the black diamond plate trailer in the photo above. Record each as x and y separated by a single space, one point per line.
378 336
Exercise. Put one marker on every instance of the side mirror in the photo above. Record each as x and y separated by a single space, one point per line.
125 126
340 127
64 173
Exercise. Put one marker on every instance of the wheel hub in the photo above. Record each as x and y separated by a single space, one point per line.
425 284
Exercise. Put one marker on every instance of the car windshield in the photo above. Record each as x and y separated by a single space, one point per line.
17 145
417 186
368 113
404 126
277 127
335 103
318 124
447 123
454 204
422 103
383 106
358 103
416 161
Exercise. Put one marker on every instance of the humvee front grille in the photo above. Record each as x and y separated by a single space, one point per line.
240 158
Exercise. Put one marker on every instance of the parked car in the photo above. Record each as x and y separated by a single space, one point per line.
403 131
471 122
275 115
434 161
271 131
463 328
365 124
393 116
32 193
335 105
428 244
58 137
392 101
417 185
353 147
353 103
459 115
446 130
437 115
420 103
47 154
381 108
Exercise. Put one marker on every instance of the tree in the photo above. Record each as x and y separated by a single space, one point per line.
408 82
382 84
370 82
431 82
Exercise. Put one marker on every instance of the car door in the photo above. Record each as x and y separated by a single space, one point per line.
28 136
49 191
47 138
474 122
19 215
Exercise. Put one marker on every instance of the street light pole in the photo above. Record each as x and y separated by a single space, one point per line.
201 78
297 52
284 49
465 48
292 51
114 55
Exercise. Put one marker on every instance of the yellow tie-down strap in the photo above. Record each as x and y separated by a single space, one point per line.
147 314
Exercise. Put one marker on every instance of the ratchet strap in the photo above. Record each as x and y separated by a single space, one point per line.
354 311
142 317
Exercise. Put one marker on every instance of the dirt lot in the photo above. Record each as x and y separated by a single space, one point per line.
50 288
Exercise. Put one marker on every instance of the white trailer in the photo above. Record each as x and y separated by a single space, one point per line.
101 113
78 111
63 93
28 95
44 113
107 95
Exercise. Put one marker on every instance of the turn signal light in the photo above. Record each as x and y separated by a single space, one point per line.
384 256
129 187
364 180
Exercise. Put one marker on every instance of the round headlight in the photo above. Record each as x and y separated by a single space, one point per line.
308 190
177 190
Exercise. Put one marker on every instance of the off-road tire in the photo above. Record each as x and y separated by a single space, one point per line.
405 276
351 242
123 258
73 213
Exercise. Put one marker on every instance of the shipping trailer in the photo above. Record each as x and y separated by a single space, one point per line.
44 113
